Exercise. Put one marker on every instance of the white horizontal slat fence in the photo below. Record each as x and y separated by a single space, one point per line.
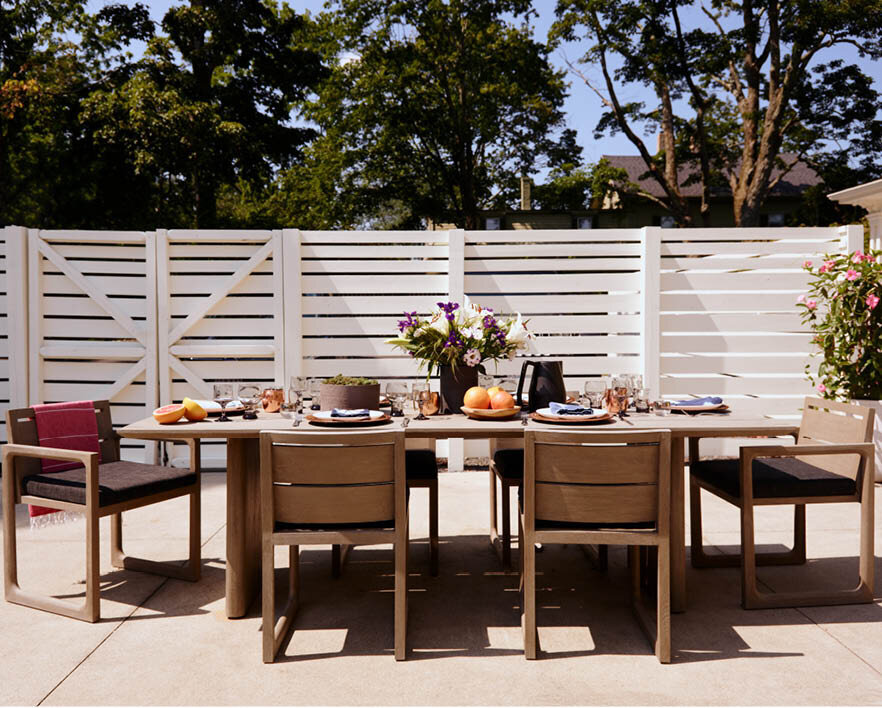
92 323
148 318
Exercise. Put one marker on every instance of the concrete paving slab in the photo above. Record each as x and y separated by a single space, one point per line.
168 642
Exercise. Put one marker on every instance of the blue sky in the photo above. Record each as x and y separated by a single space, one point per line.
583 108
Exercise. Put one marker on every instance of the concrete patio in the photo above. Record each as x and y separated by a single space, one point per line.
168 642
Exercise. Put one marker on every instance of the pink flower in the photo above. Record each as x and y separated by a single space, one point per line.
852 274
857 257
807 265
826 267
821 388
801 298
811 304
872 301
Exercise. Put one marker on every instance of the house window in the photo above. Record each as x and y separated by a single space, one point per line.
777 219
668 222
585 222
493 223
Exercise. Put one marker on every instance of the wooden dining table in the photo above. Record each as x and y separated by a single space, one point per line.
243 472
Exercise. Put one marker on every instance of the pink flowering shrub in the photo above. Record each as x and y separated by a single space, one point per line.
841 309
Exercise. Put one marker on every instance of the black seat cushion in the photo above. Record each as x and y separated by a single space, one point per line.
420 464
510 463
774 477
283 526
117 482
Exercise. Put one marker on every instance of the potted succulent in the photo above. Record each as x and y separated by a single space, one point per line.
843 309
349 392
455 341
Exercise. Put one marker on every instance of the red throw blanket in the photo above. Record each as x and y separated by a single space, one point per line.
68 426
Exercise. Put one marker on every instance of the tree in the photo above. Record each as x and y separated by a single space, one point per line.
209 108
572 188
433 106
748 71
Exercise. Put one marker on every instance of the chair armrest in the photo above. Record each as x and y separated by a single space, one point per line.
11 450
752 452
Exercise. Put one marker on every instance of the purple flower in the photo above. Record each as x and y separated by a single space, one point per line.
489 322
410 321
449 308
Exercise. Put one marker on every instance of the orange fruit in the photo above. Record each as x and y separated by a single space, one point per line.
169 414
501 400
476 397
193 411
494 389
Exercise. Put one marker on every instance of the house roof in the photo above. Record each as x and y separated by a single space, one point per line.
795 182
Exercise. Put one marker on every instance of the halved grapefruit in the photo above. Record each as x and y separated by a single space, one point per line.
169 414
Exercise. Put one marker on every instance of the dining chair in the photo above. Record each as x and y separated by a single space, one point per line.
586 487
506 467
343 488
96 487
831 462
421 472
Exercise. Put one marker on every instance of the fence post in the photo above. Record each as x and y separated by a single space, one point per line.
456 293
17 313
35 317
279 362
650 296
163 314
151 372
851 238
292 302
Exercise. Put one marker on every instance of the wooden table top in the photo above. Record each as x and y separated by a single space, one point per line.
459 426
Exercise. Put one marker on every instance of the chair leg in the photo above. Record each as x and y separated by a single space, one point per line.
506 526
269 602
93 586
528 601
749 595
433 527
494 533
700 559
191 571
663 600
339 554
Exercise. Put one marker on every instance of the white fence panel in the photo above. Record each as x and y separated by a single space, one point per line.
5 393
221 315
92 323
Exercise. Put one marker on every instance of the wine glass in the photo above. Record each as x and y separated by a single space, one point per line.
290 410
594 391
223 394
396 392
642 398
621 391
418 392
315 387
249 394
297 384
295 399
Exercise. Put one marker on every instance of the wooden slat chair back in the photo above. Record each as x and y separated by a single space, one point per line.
592 487
834 446
330 488
22 459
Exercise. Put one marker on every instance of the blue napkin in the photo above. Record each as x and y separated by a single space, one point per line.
569 409
350 413
707 400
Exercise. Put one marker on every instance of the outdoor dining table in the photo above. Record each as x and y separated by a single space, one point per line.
243 473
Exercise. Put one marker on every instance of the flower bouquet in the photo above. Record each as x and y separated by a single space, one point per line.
454 341
842 309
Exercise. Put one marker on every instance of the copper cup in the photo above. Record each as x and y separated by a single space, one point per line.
272 399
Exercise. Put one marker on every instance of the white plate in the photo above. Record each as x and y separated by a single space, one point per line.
211 407
326 415
598 413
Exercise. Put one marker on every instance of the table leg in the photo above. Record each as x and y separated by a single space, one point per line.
678 527
243 524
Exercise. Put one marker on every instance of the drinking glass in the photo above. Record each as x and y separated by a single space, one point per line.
621 391
418 392
291 411
396 392
249 395
594 391
315 386
295 398
223 394
642 397
297 384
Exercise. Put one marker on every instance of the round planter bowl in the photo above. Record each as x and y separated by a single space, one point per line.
334 396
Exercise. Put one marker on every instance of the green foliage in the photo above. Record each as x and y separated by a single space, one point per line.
341 380
431 107
572 188
842 309
737 84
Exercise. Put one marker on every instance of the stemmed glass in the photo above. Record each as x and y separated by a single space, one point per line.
419 390
249 394
223 394
396 392
594 391
315 387
298 385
